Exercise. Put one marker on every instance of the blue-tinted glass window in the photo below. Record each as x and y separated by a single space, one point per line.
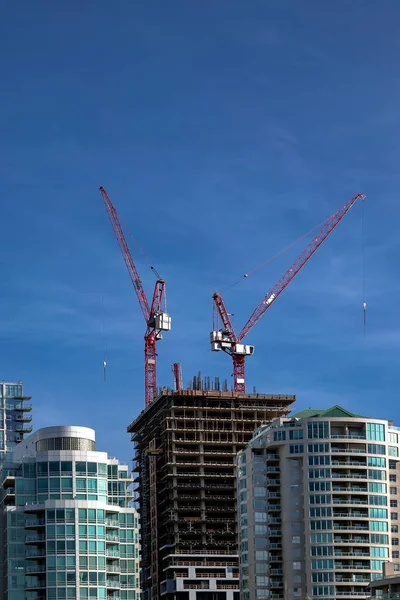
376 431
376 449
376 461
319 429
296 448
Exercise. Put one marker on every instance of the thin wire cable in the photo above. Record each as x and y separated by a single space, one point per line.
144 255
104 340
263 264
363 268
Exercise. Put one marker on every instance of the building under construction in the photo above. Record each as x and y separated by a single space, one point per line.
186 443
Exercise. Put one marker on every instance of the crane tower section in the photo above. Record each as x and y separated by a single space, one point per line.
155 314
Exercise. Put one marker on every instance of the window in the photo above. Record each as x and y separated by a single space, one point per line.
321 550
260 517
378 500
319 460
323 590
66 467
320 499
376 431
376 461
394 516
320 448
380 552
378 513
261 555
279 436
379 538
378 488
393 503
322 577
392 478
376 474
376 449
322 564
42 469
320 429
321 512
295 539
296 448
261 568
319 486
395 554
320 524
378 526
321 538
376 565
395 541
296 434
319 473
260 529
394 528
393 490
393 437
296 566
393 450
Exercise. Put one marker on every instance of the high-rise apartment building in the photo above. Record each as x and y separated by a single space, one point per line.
186 444
70 532
318 506
15 416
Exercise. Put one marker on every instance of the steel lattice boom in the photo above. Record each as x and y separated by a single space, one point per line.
226 340
155 315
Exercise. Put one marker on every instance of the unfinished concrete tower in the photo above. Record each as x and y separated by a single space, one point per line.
185 450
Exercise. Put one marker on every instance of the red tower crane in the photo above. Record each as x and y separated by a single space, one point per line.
225 339
155 315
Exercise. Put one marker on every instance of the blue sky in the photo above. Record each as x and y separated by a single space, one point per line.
222 132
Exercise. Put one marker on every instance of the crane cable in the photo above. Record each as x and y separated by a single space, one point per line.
104 340
274 256
144 255
364 304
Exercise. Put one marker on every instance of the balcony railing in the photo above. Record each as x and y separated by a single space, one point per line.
350 527
354 554
345 501
351 436
391 596
350 450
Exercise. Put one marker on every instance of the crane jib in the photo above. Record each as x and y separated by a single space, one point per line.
227 341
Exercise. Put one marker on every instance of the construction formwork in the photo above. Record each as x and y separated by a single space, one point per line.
185 450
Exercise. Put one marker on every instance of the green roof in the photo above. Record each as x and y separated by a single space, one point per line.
334 411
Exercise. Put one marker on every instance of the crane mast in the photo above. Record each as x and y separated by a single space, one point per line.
225 339
155 315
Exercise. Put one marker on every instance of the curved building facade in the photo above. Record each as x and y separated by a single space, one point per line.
70 529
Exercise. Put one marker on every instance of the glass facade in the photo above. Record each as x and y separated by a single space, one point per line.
71 532
314 518
15 416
